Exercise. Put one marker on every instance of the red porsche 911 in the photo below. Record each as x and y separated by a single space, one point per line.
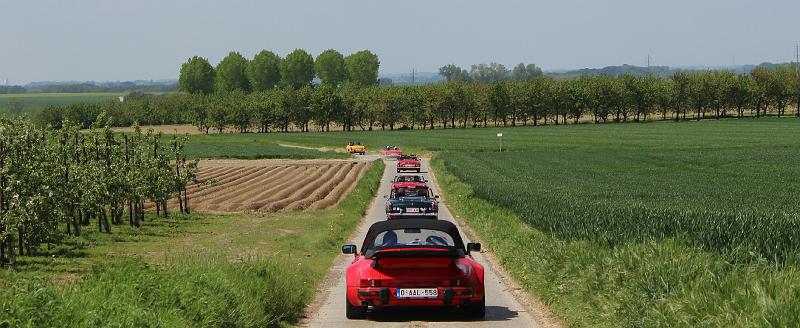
414 263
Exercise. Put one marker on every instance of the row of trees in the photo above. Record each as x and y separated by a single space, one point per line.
541 100
51 178
266 71
488 73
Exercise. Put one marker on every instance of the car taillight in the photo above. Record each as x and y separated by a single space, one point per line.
452 282
370 283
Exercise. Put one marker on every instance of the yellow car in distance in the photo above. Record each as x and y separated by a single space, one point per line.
356 148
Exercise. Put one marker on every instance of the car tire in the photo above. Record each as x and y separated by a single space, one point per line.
354 312
476 311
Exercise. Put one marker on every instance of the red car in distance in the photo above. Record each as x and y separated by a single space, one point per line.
417 180
392 152
414 263
408 163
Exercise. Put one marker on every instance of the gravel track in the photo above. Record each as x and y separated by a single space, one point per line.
504 302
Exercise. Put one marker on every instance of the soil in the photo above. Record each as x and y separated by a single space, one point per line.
271 185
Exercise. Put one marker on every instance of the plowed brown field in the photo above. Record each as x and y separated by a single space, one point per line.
271 185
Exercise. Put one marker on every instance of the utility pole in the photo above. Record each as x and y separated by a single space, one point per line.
797 58
649 72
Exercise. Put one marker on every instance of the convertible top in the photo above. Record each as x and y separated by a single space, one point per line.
440 225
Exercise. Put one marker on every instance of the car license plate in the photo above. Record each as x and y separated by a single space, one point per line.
417 293
412 210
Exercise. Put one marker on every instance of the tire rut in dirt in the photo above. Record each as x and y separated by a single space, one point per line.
323 190
341 190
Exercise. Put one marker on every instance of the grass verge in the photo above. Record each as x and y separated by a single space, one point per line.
649 283
211 271
248 146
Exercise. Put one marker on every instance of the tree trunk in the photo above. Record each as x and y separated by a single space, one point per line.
12 258
21 240
2 251
185 199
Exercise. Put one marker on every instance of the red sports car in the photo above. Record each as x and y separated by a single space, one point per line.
408 163
392 152
418 180
414 262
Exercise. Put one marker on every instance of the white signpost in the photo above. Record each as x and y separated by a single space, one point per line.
500 138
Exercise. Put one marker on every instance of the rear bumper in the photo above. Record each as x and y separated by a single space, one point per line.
378 297
415 169
395 215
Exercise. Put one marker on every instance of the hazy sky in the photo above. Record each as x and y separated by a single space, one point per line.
149 39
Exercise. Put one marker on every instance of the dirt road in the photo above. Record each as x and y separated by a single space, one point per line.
328 309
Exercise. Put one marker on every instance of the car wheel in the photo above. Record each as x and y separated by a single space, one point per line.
355 312
476 311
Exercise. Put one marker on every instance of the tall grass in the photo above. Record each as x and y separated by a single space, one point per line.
736 201
191 289
648 283
198 291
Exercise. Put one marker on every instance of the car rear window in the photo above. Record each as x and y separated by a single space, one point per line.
413 237
411 192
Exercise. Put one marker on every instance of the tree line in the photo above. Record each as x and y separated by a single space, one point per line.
267 71
66 178
536 101
488 73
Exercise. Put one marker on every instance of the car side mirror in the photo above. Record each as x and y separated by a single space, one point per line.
472 247
352 249
437 196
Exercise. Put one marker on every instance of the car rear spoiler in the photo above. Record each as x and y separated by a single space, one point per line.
451 252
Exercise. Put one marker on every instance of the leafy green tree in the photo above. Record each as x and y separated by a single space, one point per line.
680 94
795 86
452 72
739 94
540 94
282 114
499 101
524 72
664 97
778 88
326 106
297 69
199 113
330 68
232 73
240 112
518 97
264 106
197 76
300 108
761 89
493 72
218 114
432 101
263 71
362 68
